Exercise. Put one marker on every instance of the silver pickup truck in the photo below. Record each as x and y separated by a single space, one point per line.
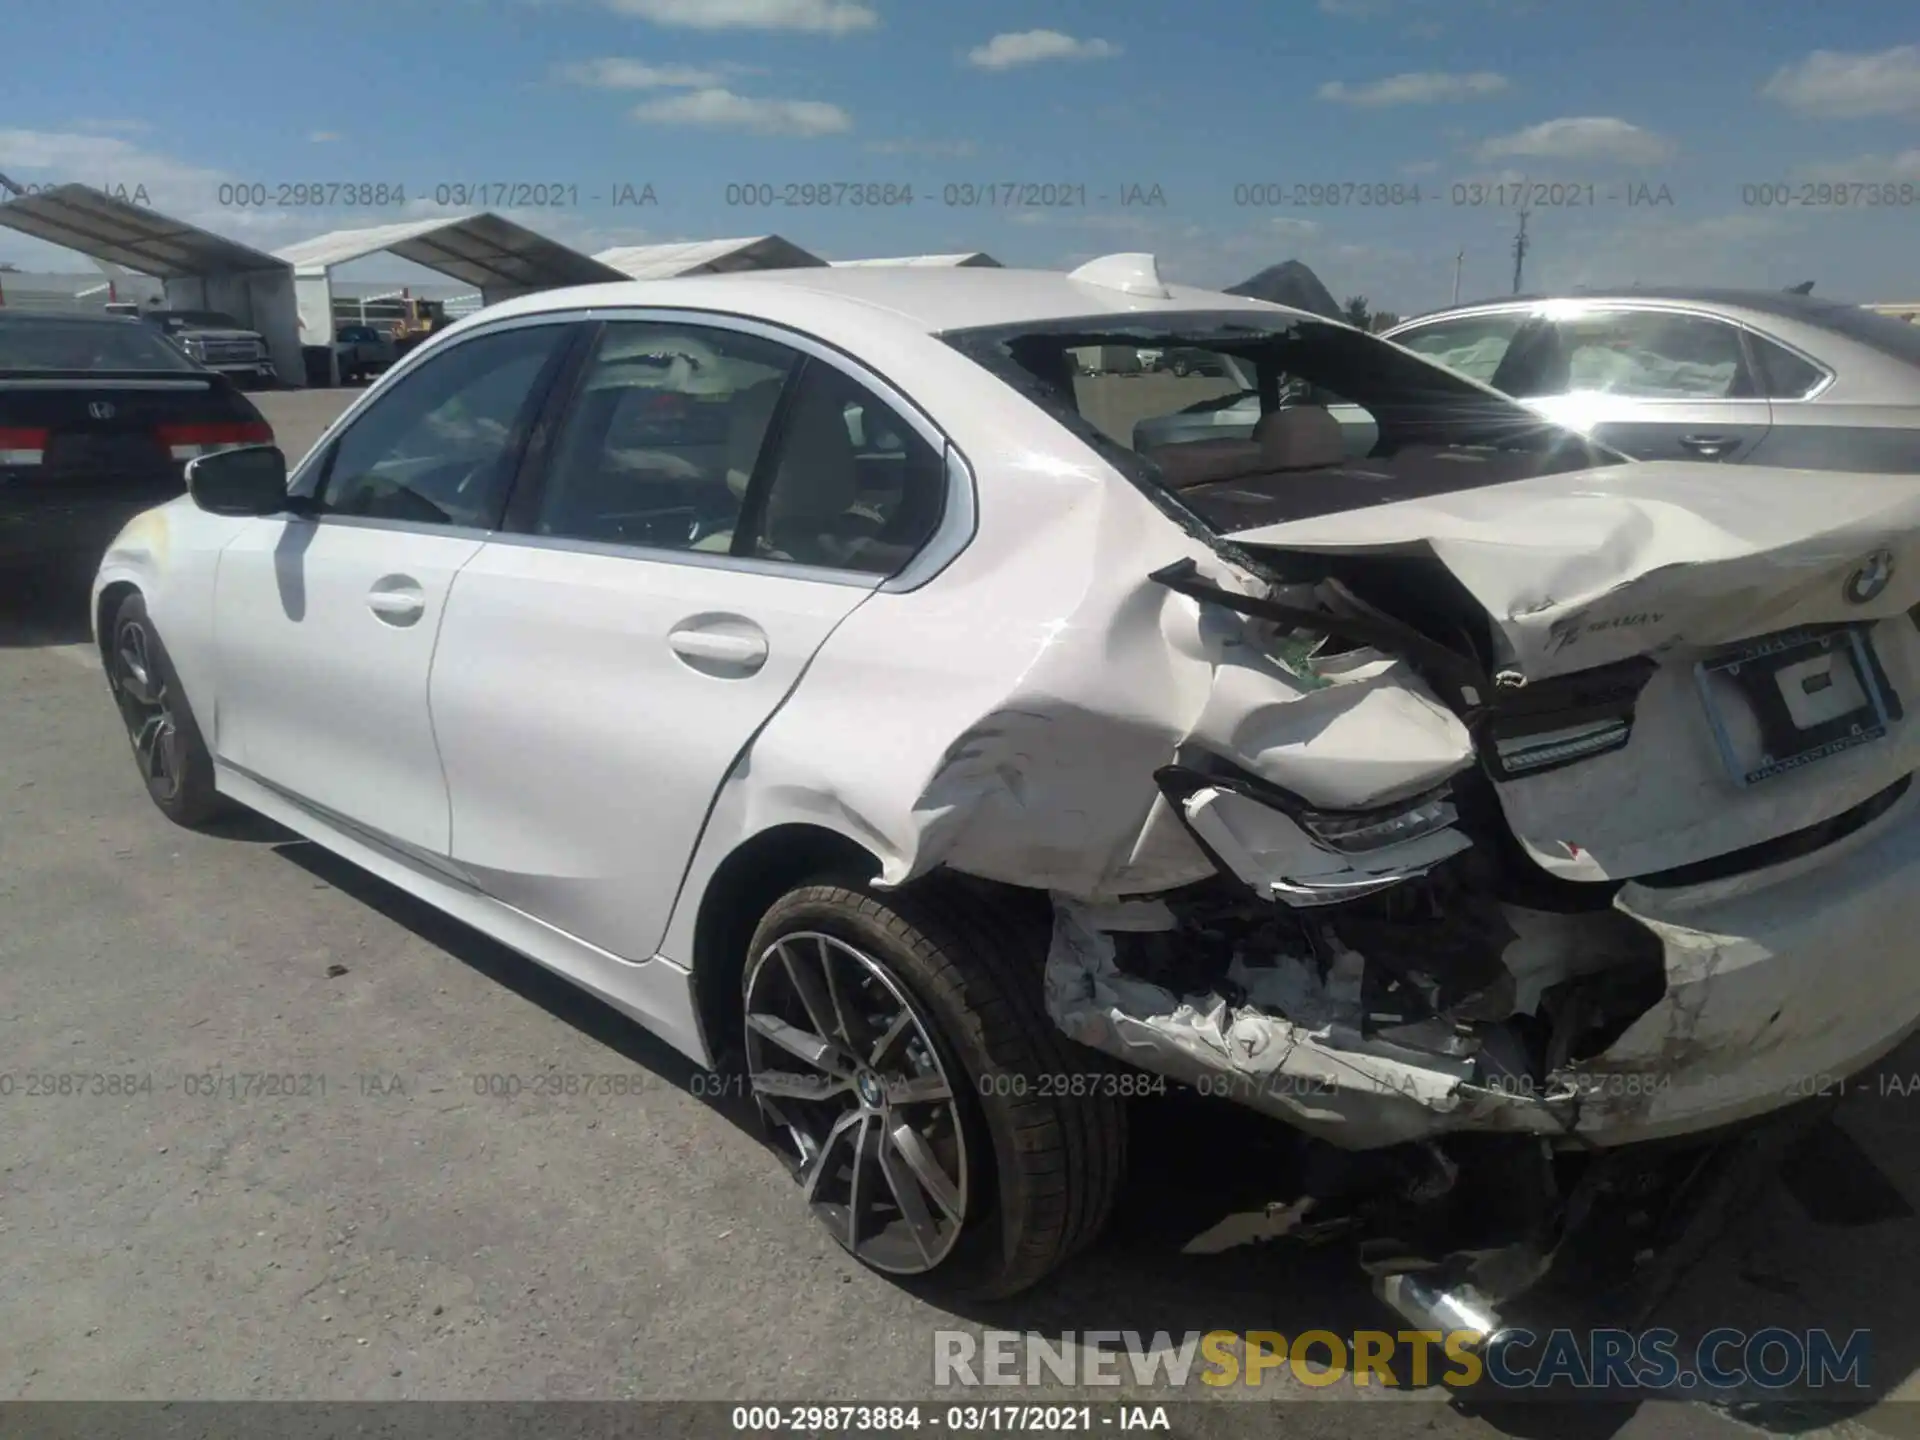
219 342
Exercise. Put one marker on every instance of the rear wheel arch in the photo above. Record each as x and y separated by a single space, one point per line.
744 887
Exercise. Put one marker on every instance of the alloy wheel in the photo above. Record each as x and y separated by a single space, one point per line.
842 1060
146 707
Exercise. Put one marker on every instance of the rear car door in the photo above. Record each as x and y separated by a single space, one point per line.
717 499
325 620
1655 383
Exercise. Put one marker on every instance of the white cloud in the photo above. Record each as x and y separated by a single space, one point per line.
1864 170
722 109
323 137
53 157
1420 167
936 149
1585 137
122 127
1416 88
612 72
1028 47
827 17
1289 225
1847 86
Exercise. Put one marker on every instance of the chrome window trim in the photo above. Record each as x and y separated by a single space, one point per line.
959 516
695 559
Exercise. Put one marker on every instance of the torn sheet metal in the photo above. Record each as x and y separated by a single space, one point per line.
1580 569
1253 1054
1777 986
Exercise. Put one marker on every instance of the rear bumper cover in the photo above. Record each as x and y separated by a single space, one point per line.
1780 984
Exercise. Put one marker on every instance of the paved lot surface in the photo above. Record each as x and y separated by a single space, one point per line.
374 1223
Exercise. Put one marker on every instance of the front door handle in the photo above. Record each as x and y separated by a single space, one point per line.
727 648
1709 447
397 600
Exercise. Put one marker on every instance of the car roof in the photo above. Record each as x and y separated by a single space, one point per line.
926 299
62 317
1783 303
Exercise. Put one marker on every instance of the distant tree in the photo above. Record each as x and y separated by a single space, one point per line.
1355 311
1384 320
9 267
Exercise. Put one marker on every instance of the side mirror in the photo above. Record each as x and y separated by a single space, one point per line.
248 481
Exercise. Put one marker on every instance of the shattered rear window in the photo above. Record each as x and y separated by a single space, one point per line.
1250 421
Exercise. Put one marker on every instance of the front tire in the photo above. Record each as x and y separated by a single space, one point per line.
167 744
942 1128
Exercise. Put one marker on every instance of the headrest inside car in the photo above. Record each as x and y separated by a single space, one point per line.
1300 437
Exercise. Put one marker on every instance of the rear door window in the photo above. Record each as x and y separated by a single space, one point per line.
1643 355
851 485
1469 345
1783 374
662 440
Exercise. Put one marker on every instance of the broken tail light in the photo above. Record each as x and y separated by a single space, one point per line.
20 446
1562 720
1354 834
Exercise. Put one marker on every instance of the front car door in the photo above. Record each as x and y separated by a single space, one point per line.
325 619
717 499
1657 383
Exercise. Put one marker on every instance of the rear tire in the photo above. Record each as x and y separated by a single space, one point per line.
167 745
1029 1136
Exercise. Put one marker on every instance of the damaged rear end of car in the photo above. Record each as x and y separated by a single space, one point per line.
1558 811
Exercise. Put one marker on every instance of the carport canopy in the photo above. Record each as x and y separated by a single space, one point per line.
978 258
707 257
201 270
497 257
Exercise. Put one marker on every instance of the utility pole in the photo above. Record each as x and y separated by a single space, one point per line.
1458 260
11 188
1520 250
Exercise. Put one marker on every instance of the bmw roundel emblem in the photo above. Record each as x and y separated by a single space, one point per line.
1869 578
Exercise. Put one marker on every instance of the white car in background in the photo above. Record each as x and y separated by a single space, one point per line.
804 663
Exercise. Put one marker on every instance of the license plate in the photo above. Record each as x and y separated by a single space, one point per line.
1783 701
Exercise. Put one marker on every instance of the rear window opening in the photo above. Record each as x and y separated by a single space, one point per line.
1252 422
54 344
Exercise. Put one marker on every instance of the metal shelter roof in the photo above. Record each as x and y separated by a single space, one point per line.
483 250
707 257
971 257
107 228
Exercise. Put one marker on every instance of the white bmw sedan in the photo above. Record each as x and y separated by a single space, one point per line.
807 664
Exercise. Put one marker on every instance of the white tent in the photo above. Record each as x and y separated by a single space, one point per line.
200 270
707 257
497 257
971 257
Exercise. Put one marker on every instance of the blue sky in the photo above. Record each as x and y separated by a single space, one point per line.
1701 97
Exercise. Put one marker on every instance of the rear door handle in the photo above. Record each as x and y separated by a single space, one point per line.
734 648
397 600
1709 446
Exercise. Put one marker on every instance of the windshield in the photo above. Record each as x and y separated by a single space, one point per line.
86 345
1252 421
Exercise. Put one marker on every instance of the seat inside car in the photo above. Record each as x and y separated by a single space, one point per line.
747 421
1300 437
